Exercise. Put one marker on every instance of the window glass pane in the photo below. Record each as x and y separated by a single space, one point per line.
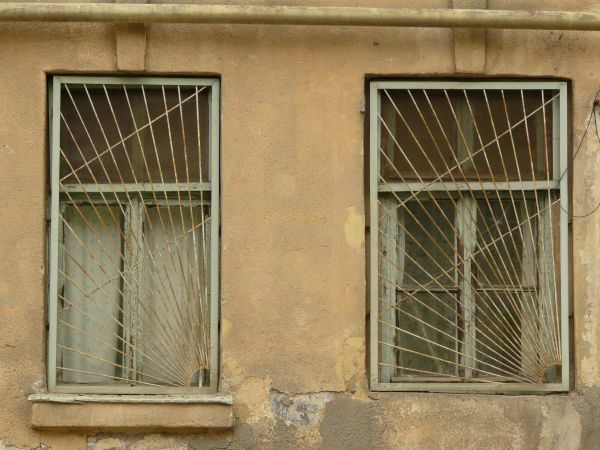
426 337
90 303
133 134
519 131
429 245
470 135
500 342
417 138
176 277
506 250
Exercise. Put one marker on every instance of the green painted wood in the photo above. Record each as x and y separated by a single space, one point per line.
54 231
374 110
564 235
211 186
559 141
215 178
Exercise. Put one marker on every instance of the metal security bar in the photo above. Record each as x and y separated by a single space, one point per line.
468 236
134 235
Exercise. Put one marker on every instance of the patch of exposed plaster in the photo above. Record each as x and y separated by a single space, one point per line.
589 364
350 362
5 446
591 170
157 441
38 386
203 441
225 327
255 422
233 375
310 436
141 442
105 443
252 402
302 410
299 418
586 403
561 429
362 393
354 229
586 278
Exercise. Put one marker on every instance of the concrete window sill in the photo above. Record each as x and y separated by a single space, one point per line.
132 412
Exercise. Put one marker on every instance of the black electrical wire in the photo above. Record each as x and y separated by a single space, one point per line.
587 127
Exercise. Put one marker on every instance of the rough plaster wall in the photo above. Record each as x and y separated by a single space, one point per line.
293 256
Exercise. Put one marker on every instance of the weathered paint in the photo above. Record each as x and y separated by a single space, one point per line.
354 229
293 299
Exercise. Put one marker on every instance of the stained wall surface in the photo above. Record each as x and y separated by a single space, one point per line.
294 302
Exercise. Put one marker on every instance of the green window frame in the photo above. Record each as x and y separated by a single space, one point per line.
134 235
433 193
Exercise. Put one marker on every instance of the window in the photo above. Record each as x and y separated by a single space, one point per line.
468 236
134 235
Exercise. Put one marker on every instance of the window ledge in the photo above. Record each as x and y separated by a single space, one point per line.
132 412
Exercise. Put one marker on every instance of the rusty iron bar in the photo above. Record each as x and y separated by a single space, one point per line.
299 15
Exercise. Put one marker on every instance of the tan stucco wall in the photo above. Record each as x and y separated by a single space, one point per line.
293 253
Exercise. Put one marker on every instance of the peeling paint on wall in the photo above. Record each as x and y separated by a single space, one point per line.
302 410
5 446
350 362
292 146
561 429
354 229
205 441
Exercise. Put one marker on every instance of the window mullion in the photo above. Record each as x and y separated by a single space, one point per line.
467 229
133 276
389 270
466 216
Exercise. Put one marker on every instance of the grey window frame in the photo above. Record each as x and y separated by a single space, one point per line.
54 88
560 176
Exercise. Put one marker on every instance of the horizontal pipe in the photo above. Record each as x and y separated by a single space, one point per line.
297 15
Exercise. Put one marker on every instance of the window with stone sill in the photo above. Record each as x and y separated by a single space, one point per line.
468 236
134 235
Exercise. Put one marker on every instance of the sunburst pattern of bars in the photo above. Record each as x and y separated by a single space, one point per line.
134 232
468 235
